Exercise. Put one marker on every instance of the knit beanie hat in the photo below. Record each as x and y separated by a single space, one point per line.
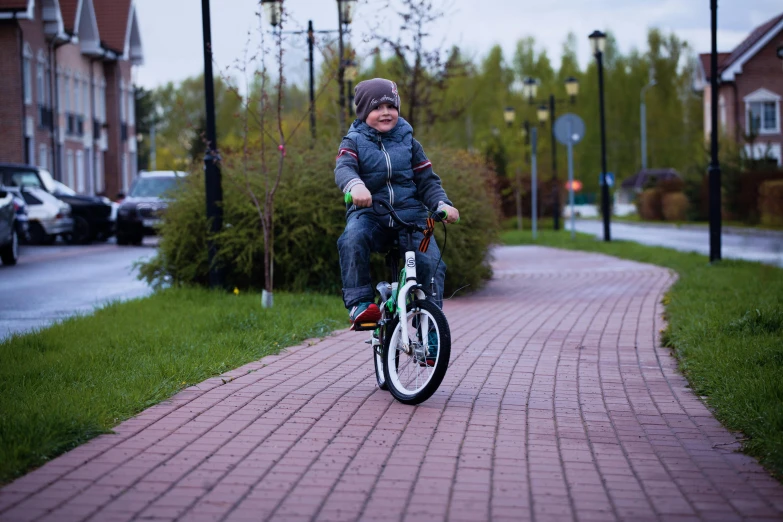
369 94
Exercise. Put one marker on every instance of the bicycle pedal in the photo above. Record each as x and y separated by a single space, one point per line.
368 341
359 327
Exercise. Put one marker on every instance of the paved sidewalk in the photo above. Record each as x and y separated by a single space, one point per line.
558 405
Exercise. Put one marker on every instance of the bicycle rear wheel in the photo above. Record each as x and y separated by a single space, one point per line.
413 374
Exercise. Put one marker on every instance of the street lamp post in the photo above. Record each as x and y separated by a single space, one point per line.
345 10
598 40
212 181
714 170
643 114
546 110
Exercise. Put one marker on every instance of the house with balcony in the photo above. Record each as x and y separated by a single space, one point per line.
66 94
750 90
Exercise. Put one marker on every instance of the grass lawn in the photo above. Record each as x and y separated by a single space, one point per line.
61 386
726 327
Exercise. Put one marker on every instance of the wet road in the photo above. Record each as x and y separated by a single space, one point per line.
51 283
766 246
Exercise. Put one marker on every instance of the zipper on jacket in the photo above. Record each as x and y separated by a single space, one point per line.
388 178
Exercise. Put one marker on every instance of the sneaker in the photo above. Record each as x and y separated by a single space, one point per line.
432 348
364 313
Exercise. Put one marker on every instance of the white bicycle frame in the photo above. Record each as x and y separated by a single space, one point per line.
402 295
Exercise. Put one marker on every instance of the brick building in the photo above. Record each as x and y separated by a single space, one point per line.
750 90
66 90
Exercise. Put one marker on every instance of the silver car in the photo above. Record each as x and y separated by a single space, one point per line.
49 217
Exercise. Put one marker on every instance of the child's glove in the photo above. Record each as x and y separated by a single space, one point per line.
361 196
452 214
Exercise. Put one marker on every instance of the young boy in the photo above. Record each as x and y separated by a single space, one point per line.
380 159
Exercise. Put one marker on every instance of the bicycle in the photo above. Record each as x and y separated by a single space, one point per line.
411 355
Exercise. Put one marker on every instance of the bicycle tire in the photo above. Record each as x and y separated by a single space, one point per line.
394 381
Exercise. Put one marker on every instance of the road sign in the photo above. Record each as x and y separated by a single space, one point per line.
569 128
609 179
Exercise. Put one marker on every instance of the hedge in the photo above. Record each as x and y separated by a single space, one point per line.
771 203
309 217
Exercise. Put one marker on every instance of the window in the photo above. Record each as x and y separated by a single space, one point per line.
70 173
40 84
98 171
102 102
79 171
131 107
77 95
125 180
762 112
43 156
86 94
122 102
67 93
763 116
27 71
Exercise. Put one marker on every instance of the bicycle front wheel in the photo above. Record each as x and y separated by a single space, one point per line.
415 367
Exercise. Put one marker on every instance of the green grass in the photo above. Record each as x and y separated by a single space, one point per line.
726 328
61 386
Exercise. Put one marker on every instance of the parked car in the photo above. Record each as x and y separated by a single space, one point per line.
22 218
92 215
9 240
48 216
141 211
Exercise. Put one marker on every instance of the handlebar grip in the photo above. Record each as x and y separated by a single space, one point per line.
348 198
443 215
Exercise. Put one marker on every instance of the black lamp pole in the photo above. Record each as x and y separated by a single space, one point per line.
555 188
310 45
341 66
214 191
714 170
597 39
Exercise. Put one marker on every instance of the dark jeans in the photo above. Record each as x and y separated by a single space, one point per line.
368 233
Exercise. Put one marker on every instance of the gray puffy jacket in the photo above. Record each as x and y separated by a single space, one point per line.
393 167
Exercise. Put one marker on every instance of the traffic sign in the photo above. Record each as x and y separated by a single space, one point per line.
609 179
569 128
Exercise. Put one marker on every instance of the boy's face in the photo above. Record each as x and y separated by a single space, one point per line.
384 118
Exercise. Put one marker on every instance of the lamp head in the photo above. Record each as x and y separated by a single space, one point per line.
508 115
351 70
598 41
530 88
346 8
273 9
543 114
572 86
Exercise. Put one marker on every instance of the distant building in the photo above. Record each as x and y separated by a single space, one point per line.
66 94
750 90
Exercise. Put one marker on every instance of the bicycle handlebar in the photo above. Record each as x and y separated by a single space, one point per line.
438 215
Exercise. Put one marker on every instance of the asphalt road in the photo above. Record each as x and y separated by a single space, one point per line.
50 283
765 247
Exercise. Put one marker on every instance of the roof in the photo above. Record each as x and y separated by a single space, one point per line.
112 18
706 65
726 60
68 10
13 5
640 179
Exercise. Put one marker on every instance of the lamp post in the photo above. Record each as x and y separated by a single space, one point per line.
212 181
598 41
351 72
643 114
545 111
714 170
345 10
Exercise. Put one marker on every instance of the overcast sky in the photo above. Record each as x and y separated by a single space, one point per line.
172 38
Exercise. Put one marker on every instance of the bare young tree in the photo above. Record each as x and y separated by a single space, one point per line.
422 73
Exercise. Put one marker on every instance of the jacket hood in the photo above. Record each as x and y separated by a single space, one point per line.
398 133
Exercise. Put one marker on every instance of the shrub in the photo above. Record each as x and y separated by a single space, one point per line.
674 206
649 205
771 203
309 217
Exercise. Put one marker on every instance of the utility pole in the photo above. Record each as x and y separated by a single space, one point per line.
714 171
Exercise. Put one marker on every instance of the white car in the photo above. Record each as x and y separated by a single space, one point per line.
49 217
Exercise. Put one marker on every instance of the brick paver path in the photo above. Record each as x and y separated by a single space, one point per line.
558 405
